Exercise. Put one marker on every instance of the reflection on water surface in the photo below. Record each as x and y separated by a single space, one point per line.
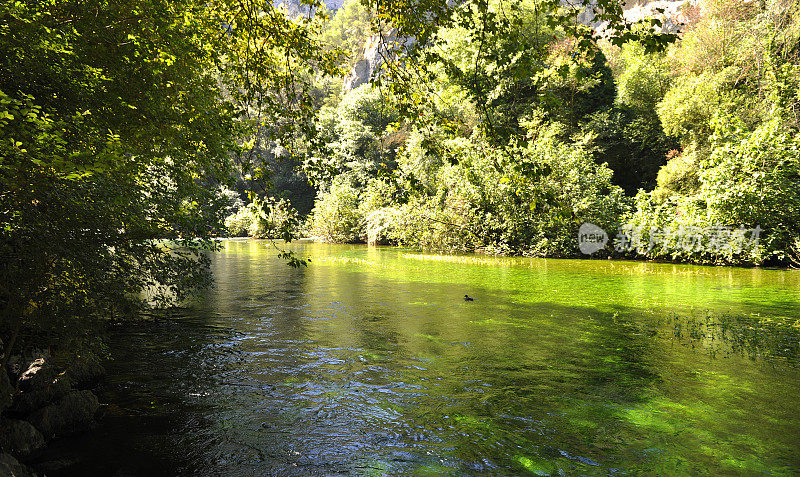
369 362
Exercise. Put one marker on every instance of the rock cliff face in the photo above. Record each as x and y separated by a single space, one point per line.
675 13
377 49
371 61
297 7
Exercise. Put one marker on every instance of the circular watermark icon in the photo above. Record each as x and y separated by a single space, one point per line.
591 238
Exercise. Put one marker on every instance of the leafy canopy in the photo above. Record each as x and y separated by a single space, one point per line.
118 123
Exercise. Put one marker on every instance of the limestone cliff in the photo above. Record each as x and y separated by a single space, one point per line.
378 48
675 13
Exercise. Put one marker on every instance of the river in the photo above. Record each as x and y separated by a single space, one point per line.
370 362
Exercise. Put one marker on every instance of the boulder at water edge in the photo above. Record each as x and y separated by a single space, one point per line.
41 384
10 466
20 438
86 373
6 390
74 413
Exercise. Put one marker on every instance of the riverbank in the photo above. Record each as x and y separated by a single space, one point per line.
607 256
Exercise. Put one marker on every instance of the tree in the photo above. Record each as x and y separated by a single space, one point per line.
348 29
505 56
118 122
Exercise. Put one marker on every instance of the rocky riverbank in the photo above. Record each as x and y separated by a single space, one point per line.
41 401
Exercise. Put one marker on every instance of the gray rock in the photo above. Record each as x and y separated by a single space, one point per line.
673 14
377 49
74 413
28 376
20 438
31 361
359 75
14 366
56 466
9 466
6 391
86 373
41 384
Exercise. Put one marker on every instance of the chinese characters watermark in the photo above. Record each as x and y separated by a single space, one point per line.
640 239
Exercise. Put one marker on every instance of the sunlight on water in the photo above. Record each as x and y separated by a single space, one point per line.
369 362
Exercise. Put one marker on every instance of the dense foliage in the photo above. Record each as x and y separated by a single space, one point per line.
119 122
132 132
507 127
732 105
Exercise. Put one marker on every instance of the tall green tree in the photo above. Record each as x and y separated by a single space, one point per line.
118 121
509 57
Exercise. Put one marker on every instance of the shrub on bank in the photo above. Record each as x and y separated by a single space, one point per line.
337 217
268 218
241 222
527 199
750 179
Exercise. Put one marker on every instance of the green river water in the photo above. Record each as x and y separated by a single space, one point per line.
369 362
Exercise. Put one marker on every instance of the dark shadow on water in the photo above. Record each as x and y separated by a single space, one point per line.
326 371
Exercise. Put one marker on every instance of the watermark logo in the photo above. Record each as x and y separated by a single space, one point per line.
639 239
591 238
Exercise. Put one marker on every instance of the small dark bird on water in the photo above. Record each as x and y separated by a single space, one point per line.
468 298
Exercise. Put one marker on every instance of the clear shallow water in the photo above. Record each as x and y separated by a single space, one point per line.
369 362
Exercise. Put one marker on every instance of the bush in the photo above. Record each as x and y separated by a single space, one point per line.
754 179
241 222
378 211
678 176
268 218
750 179
644 78
689 107
526 199
420 158
336 216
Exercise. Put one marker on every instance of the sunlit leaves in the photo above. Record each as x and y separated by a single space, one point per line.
117 124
